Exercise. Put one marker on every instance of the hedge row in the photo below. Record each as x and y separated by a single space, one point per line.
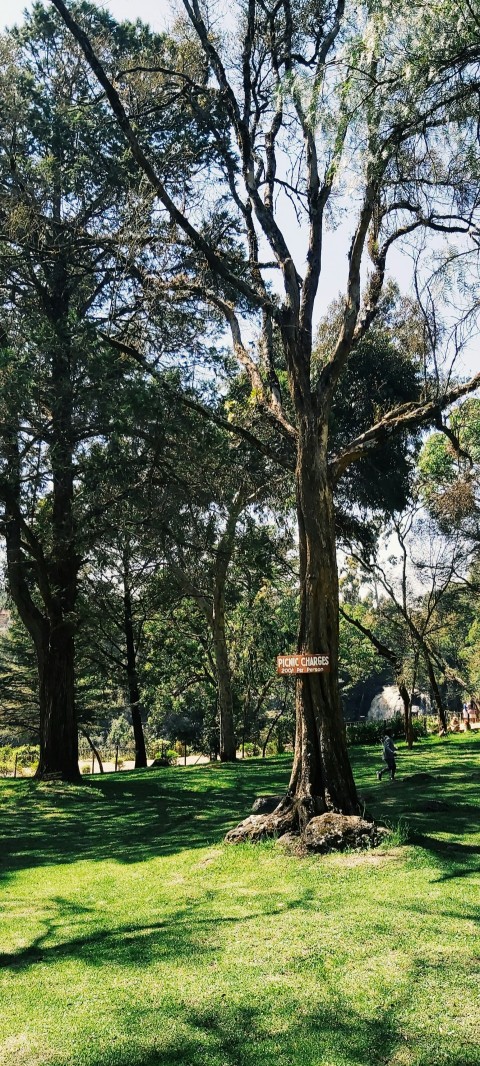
372 731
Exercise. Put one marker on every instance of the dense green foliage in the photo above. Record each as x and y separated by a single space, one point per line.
373 731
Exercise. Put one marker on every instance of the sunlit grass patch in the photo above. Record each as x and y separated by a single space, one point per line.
131 936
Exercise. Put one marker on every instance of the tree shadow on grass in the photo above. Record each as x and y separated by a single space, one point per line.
439 816
459 859
229 1034
437 797
248 1036
130 817
453 759
185 932
134 816
265 1023
124 945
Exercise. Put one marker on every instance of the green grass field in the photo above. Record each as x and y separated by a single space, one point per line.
130 935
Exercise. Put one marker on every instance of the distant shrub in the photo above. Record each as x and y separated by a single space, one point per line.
165 757
27 755
419 728
251 750
371 731
6 759
21 757
432 723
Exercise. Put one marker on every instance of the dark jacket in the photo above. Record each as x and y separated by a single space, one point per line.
389 750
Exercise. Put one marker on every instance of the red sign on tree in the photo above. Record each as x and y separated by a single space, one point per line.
305 663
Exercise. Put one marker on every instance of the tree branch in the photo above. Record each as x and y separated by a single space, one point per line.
195 406
396 420
217 264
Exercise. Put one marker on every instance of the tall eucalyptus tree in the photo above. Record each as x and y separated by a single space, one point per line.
337 106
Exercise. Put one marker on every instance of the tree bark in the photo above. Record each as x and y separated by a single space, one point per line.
321 778
58 724
132 681
56 662
442 716
270 731
51 629
228 747
407 711
213 607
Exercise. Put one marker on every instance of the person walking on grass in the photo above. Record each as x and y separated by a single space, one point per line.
389 751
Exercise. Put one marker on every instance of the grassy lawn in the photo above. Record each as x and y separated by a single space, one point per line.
130 935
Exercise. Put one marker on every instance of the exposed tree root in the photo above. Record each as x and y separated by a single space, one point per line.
57 777
261 826
325 832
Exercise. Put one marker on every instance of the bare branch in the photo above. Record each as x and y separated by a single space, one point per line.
331 372
382 648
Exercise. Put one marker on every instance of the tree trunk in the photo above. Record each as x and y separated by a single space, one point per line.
407 711
228 747
214 611
51 629
270 731
442 717
94 750
321 778
56 662
132 682
58 723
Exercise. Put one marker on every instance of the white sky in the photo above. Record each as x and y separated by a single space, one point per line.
154 12
157 13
